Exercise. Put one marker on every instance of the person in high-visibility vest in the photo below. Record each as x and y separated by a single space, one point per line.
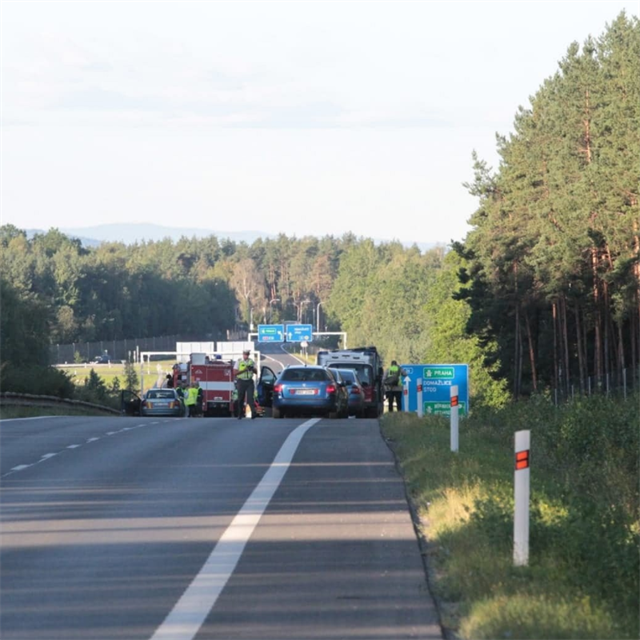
191 399
244 381
393 385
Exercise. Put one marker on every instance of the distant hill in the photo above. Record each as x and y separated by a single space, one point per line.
137 232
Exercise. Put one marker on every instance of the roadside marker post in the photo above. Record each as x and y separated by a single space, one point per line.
405 393
522 480
420 405
455 408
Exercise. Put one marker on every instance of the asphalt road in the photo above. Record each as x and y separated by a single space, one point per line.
134 528
275 357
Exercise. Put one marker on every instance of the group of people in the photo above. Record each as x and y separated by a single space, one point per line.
192 398
244 371
245 388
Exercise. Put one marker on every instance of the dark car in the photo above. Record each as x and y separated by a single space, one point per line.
355 392
105 359
162 402
310 390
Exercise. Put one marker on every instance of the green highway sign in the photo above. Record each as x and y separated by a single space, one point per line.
442 408
437 380
438 373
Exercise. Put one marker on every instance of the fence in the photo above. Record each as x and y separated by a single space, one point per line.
619 383
119 350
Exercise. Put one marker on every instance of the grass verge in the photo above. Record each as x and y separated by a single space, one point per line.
582 579
8 412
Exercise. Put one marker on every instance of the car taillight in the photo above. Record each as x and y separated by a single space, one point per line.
277 388
331 388
355 390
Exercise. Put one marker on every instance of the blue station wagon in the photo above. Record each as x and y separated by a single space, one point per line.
310 390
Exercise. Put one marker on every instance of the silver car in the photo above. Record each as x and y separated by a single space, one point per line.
162 402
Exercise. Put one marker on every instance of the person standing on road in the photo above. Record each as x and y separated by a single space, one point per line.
244 378
191 399
199 399
393 385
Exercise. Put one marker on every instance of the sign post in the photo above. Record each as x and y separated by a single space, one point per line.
299 333
405 393
437 380
420 405
270 333
455 407
521 493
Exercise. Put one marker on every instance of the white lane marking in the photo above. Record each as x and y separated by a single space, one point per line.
291 355
46 456
32 418
190 612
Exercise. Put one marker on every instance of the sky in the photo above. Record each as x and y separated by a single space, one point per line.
307 118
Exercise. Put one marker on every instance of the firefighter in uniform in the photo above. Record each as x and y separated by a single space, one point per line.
244 382
393 385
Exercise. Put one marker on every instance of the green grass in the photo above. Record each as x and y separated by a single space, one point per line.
582 579
107 373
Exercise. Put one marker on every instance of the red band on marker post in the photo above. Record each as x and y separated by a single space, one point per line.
454 401
522 460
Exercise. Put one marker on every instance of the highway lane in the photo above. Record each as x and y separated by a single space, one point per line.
275 357
101 540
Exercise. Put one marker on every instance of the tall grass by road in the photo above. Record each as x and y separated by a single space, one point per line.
583 576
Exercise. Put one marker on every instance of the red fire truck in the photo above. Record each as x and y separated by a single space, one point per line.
215 377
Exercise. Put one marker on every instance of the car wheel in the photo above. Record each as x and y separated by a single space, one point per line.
333 415
276 413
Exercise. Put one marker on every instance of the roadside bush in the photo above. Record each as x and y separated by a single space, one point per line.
38 380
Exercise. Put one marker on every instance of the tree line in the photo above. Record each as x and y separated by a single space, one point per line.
553 275
544 290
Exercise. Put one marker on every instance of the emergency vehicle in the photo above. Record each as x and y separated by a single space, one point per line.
215 377
368 364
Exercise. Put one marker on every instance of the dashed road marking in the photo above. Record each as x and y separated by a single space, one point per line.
46 456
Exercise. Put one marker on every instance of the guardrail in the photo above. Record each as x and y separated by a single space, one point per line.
30 400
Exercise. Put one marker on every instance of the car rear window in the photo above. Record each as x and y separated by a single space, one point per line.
364 371
161 395
348 376
304 375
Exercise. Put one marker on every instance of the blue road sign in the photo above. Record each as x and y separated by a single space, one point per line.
437 380
270 333
299 333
